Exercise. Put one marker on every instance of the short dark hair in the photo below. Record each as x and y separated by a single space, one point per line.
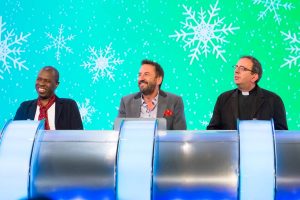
56 73
158 69
256 66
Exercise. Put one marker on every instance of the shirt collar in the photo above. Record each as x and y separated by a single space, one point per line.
253 91
154 101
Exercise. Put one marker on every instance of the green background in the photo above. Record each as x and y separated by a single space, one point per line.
137 30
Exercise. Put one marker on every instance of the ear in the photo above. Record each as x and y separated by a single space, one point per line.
158 80
57 83
254 78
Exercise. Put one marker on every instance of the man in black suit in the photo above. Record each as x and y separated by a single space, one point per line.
151 101
248 101
59 113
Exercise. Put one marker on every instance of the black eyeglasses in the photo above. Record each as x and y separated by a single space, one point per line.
242 68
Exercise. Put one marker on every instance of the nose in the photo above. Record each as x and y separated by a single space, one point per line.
141 77
40 82
237 70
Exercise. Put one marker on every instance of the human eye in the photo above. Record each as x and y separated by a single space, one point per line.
243 68
39 79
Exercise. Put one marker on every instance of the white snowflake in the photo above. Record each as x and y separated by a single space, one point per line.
102 63
9 51
272 6
206 118
201 34
59 42
86 111
294 49
204 123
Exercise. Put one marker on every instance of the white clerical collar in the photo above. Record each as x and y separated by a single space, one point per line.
245 93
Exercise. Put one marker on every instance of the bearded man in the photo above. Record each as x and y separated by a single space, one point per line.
151 101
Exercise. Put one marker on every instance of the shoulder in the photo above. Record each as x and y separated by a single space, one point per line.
269 94
65 101
226 97
227 94
169 95
28 103
136 95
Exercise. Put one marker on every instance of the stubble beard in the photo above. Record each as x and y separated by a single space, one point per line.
149 89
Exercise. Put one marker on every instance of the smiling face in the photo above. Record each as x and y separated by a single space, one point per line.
245 80
46 83
148 81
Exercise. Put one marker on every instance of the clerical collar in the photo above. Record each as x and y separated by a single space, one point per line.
249 92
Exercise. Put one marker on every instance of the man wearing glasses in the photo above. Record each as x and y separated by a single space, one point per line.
248 101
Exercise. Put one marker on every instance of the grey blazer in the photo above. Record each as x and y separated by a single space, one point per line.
130 107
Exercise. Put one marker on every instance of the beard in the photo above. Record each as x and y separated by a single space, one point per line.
148 89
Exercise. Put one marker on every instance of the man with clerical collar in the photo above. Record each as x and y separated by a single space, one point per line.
248 101
151 101
58 113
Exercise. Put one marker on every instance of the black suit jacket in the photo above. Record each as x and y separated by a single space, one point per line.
130 107
67 116
268 106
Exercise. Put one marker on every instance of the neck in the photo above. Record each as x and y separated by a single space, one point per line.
247 88
150 97
44 101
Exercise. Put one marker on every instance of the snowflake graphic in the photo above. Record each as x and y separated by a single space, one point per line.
102 63
204 123
59 42
294 49
9 51
86 111
272 6
201 34
206 118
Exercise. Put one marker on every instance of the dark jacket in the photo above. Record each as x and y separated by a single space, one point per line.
67 116
130 107
268 106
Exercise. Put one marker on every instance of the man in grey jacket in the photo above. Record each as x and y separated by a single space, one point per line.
151 101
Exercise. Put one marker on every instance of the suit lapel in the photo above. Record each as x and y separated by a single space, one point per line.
136 106
162 104
58 108
259 100
235 104
32 110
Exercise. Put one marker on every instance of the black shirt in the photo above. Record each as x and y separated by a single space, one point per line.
247 104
